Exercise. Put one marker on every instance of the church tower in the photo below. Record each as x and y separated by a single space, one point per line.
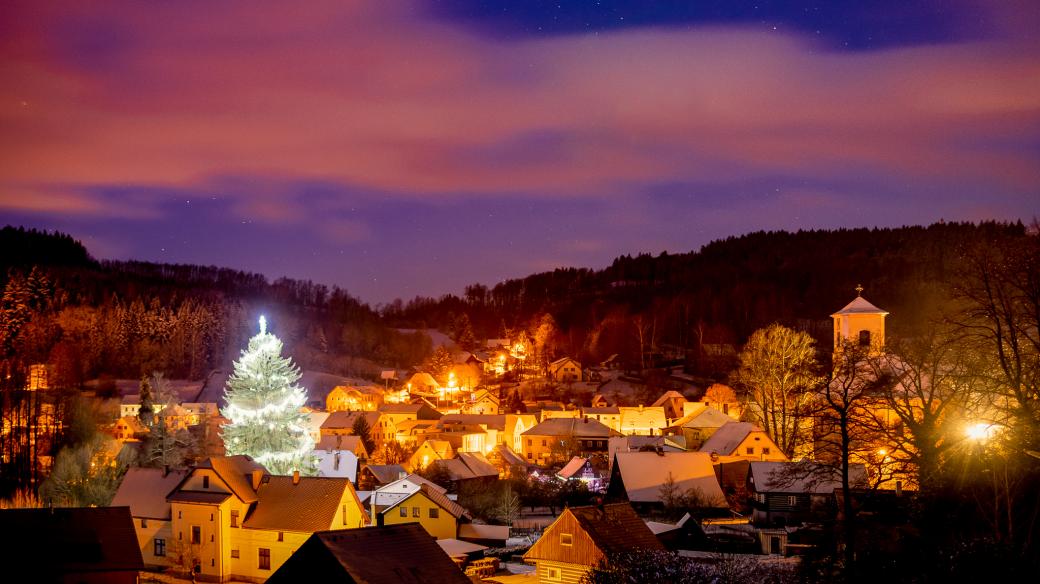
860 323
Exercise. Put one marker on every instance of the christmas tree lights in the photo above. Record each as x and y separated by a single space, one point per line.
263 407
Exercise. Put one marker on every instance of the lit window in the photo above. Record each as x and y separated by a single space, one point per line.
160 547
416 512
566 539
553 574
264 559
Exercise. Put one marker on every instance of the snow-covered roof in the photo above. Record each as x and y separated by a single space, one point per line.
457 548
727 439
859 306
802 477
572 467
643 474
668 395
708 417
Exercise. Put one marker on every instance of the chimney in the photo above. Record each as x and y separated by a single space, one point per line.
257 475
296 477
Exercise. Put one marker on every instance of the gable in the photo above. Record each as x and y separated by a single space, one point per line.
550 546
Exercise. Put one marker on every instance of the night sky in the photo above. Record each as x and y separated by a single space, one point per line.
399 147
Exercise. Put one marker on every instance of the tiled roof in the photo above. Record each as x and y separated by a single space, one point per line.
236 471
467 465
615 528
390 554
53 545
608 410
577 427
144 490
668 395
345 420
310 505
491 421
387 473
438 497
338 442
572 467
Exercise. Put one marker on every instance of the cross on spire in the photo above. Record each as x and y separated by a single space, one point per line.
859 290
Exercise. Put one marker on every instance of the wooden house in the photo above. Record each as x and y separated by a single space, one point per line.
565 370
581 537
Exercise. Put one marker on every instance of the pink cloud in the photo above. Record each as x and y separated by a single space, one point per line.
375 95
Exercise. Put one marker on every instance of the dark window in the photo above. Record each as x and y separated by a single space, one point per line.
178 515
543 442
750 450
416 512
434 513
211 517
864 338
765 450
196 534
265 559
205 482
234 519
404 511
144 523
344 515
212 562
530 442
234 553
160 547
281 536
566 539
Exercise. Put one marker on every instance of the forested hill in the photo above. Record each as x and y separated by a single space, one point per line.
124 319
724 291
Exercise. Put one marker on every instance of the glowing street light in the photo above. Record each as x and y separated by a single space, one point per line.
979 432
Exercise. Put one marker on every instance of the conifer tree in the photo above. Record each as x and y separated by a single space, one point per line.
264 403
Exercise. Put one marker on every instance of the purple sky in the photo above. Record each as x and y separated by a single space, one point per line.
397 147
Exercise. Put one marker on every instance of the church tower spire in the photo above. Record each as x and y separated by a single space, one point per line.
860 322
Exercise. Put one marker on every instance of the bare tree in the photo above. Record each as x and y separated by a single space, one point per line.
778 371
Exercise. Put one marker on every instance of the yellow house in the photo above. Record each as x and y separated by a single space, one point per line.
643 421
144 491
429 507
428 452
517 424
565 370
559 439
129 429
231 520
349 398
743 440
608 416
482 402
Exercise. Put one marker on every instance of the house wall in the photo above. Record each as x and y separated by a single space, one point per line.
643 421
147 533
612 421
327 464
848 327
249 542
444 526
759 442
568 573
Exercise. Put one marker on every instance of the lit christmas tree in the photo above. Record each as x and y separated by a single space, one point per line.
263 407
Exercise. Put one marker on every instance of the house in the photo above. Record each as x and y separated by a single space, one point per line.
644 443
380 429
352 398
429 451
468 467
565 370
699 424
638 477
581 537
482 402
791 492
339 456
129 429
516 425
551 412
92 545
393 492
464 437
130 405
428 506
581 469
609 416
508 462
314 422
558 439
391 554
397 413
373 476
672 402
647 421
423 383
743 440
198 412
144 491
232 520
